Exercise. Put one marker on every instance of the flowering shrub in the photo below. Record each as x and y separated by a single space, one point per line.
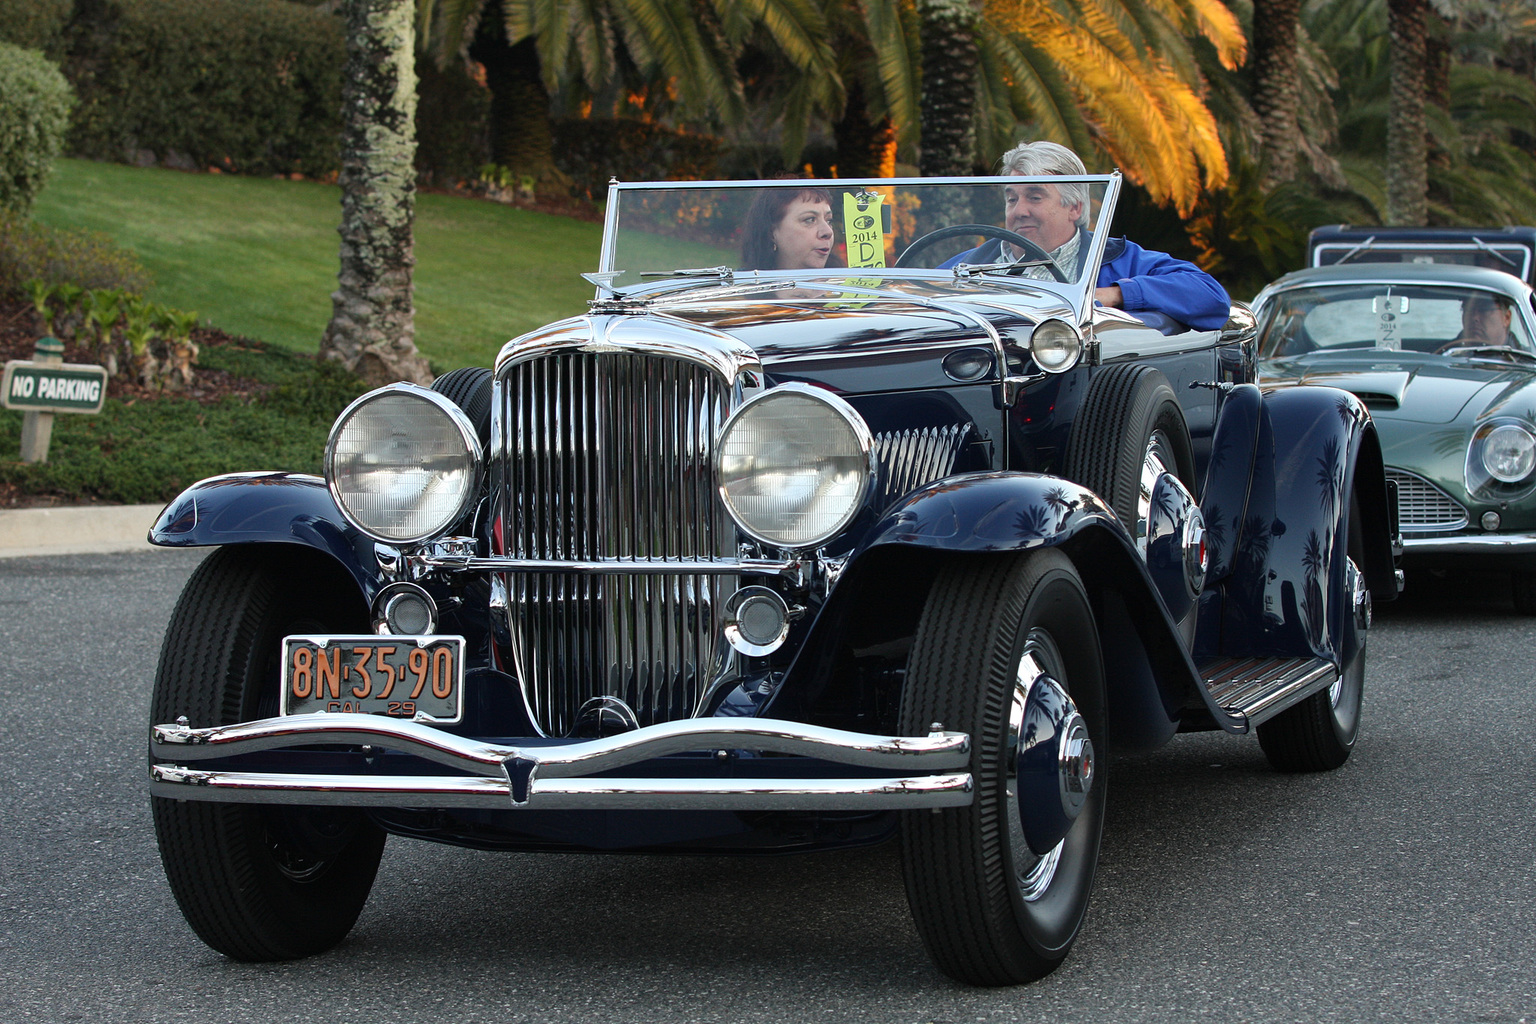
35 101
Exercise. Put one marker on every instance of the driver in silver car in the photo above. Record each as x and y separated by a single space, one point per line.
1056 217
1485 320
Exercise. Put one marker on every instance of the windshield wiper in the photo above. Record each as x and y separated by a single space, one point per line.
1491 352
723 274
1011 267
1490 250
1362 247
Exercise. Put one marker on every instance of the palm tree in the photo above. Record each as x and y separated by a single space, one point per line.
1407 148
949 101
1117 76
372 328
1276 84
580 51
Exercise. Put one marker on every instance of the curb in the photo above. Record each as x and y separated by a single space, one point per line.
88 530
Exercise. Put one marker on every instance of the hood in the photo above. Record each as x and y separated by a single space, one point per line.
859 347
1409 389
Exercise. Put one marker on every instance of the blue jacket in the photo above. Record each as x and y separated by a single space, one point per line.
1148 280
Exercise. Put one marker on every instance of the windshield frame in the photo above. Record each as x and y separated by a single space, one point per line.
1078 294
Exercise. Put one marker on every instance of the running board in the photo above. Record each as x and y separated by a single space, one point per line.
1256 689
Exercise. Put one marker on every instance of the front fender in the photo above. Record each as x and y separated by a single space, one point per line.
267 508
868 622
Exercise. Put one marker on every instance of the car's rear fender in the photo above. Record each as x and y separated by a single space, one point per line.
1294 462
869 619
268 508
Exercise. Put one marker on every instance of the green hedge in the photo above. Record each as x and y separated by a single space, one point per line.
452 114
34 115
31 251
592 150
36 25
250 86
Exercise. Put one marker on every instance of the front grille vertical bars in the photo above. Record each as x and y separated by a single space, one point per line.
609 457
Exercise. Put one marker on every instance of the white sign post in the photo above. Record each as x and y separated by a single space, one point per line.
48 385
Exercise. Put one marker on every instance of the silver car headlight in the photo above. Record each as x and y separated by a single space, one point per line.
794 465
403 464
1508 453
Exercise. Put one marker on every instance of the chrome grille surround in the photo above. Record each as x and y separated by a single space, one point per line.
910 458
1423 507
604 435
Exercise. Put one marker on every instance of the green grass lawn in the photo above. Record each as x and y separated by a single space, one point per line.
258 256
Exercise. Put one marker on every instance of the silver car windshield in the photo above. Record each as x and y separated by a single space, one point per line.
1045 229
1401 317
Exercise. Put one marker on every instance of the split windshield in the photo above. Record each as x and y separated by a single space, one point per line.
846 229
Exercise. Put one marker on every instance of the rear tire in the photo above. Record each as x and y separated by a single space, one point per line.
990 910
257 883
1318 734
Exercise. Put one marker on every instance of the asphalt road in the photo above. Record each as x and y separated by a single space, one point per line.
1400 888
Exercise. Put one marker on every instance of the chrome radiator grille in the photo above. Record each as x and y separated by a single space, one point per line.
1421 506
608 457
910 458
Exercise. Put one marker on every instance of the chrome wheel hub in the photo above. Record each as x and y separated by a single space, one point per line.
1050 767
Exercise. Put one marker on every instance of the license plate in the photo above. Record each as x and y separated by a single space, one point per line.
414 677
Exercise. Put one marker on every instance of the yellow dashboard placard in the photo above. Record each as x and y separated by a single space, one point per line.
864 229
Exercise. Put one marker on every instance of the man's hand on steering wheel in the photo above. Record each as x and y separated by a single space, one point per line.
1032 252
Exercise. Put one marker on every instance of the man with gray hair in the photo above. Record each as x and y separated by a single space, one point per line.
1055 217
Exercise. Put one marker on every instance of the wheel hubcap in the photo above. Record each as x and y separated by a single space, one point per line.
1050 768
1155 461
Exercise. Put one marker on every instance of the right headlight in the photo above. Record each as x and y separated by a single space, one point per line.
794 465
1055 346
403 464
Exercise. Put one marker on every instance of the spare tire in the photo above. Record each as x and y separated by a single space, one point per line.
469 388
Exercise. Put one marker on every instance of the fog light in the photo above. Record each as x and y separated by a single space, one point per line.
756 621
1490 521
404 609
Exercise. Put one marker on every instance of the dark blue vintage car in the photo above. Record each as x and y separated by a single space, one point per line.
749 559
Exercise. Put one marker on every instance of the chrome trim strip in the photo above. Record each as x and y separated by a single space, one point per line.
617 567
659 334
937 750
924 791
1492 543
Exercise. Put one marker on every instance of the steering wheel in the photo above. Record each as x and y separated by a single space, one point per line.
1506 352
1030 249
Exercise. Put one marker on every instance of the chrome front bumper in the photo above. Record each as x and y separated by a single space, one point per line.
1471 544
558 777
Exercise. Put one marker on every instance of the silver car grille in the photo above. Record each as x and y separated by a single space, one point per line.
608 456
910 458
1423 507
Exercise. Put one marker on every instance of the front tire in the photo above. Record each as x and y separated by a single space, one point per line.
257 883
990 910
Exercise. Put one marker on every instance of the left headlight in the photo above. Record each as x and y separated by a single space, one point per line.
1508 453
794 465
403 464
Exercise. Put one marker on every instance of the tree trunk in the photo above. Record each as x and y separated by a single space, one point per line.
949 87
1275 85
522 137
1407 152
372 328
865 148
